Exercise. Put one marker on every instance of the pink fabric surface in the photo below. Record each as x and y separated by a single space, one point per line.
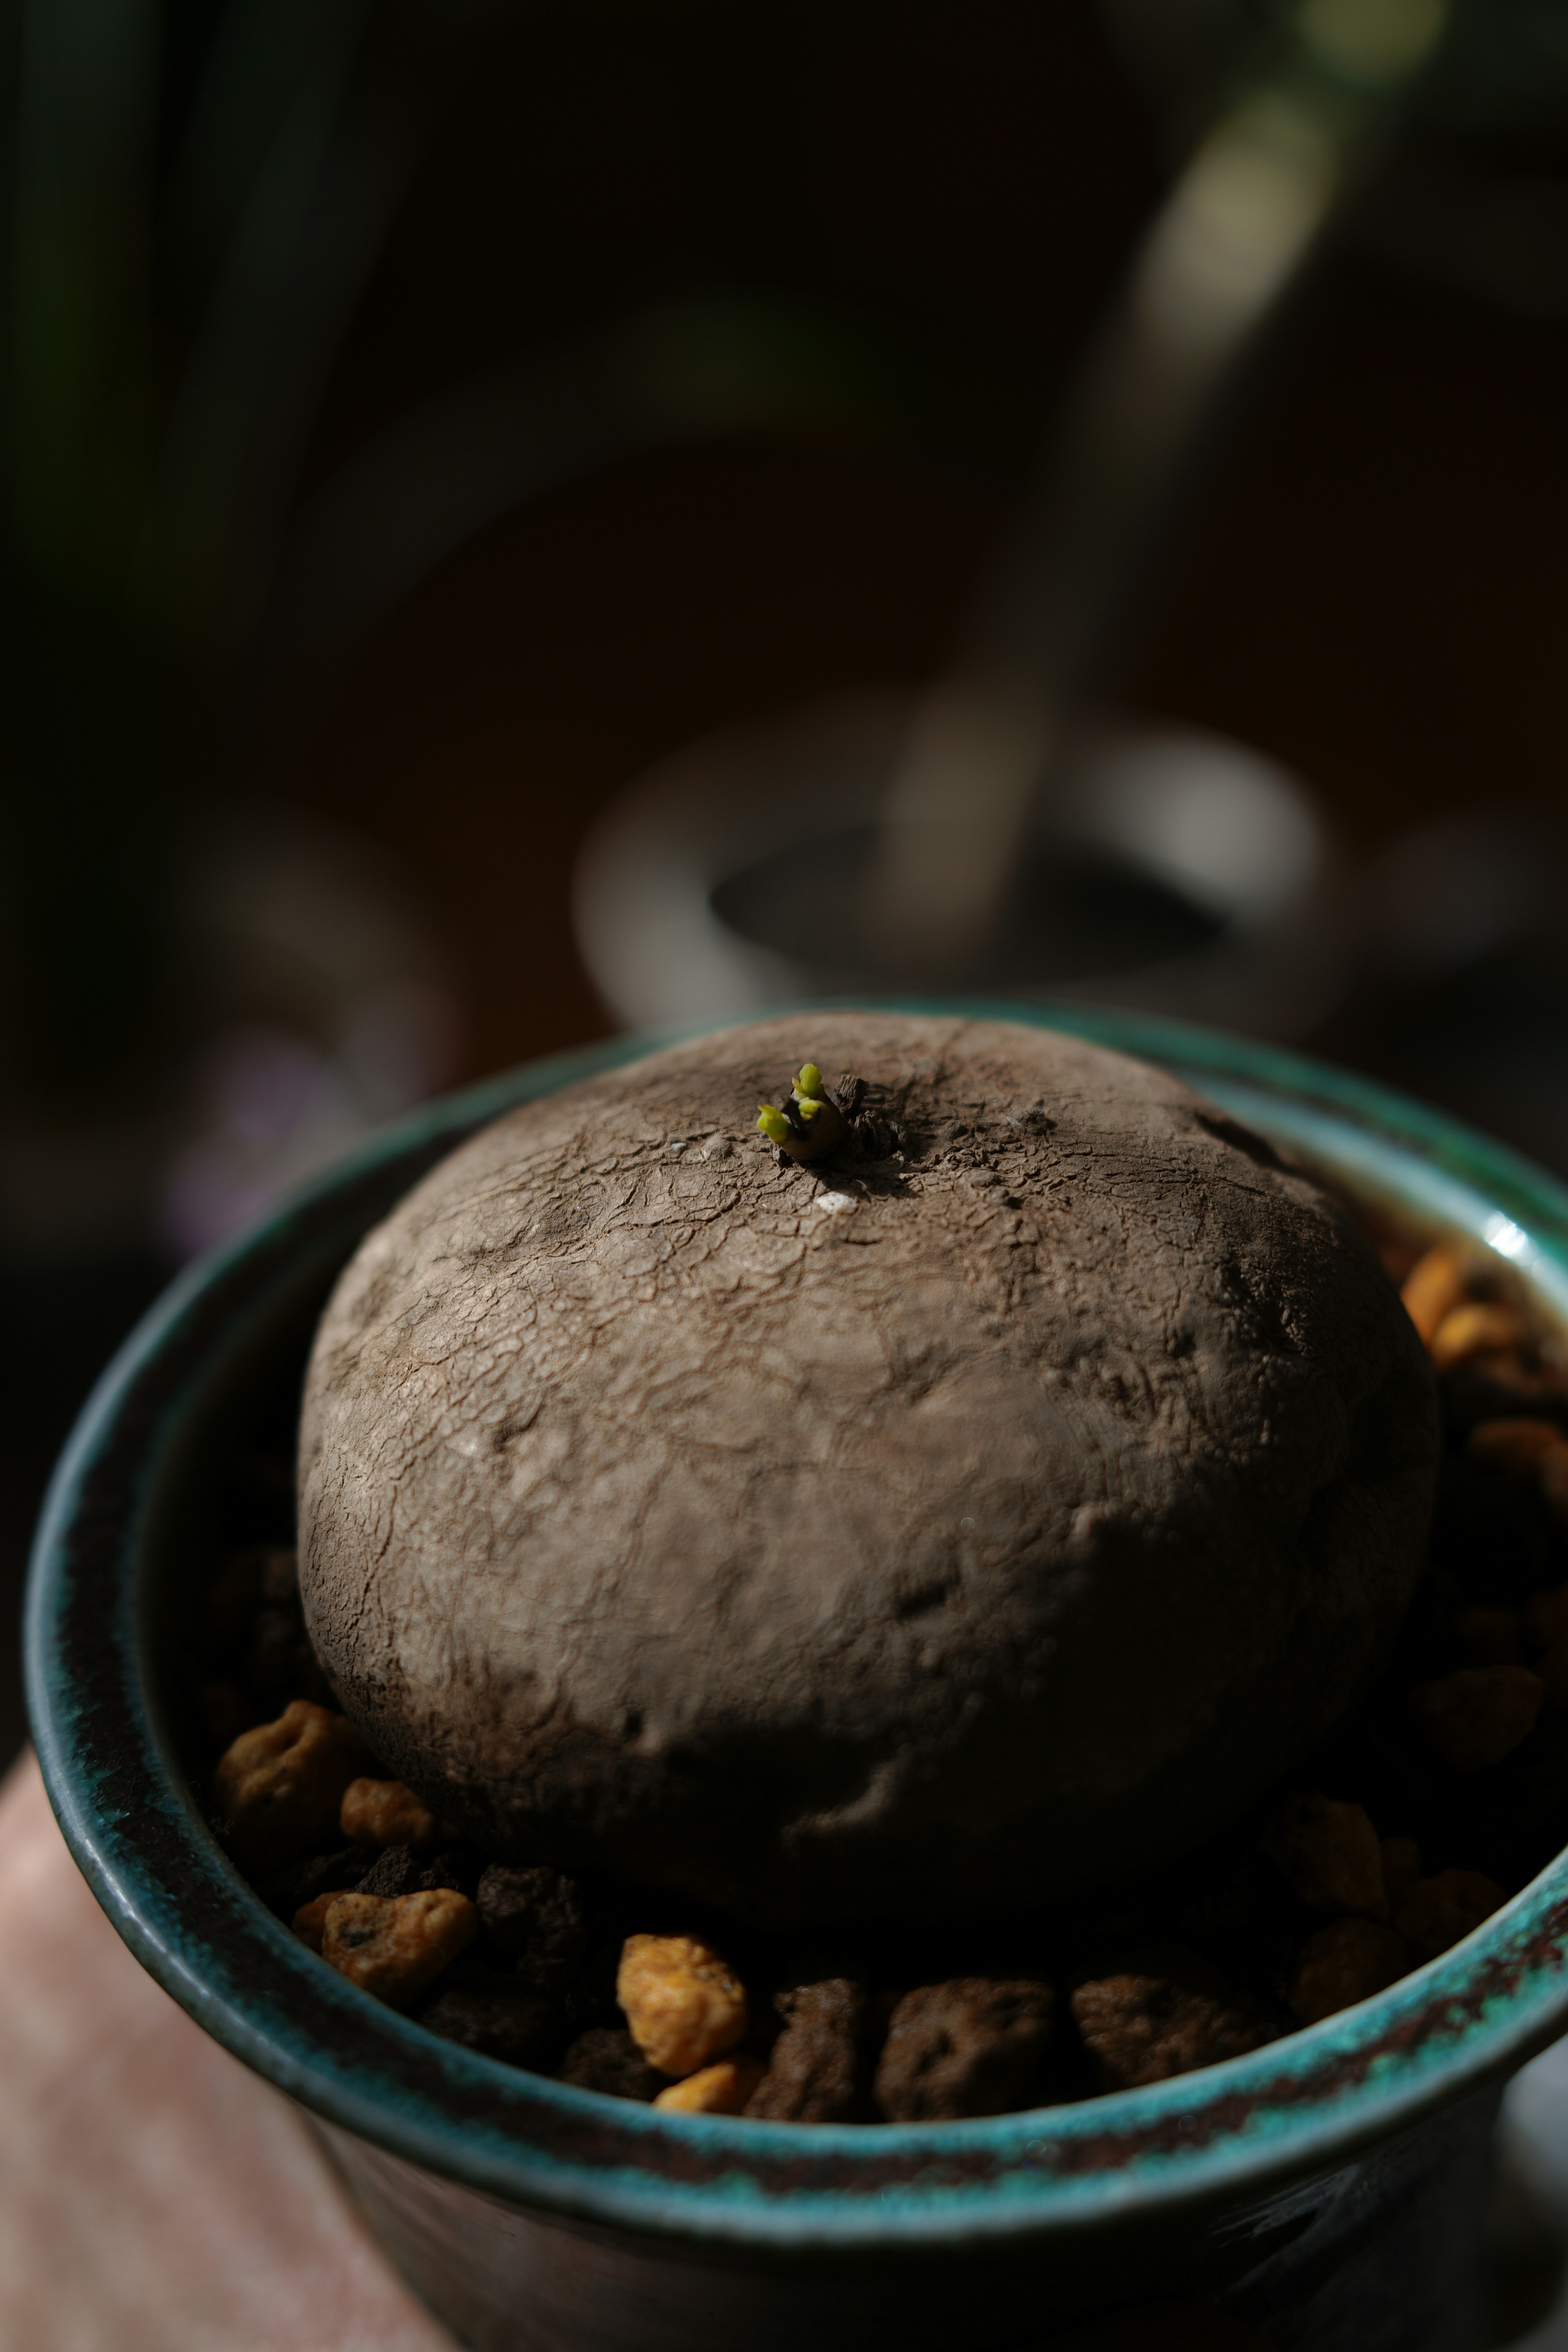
154 2196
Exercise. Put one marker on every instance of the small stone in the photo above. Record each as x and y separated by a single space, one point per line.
279 1785
309 1920
1328 1852
1474 1329
972 2046
394 1947
383 1812
1474 1718
396 1872
535 1919
720 2090
460 1867
337 1872
816 2071
1164 2013
517 2027
683 2002
1437 1911
606 2059
1342 1964
1433 1288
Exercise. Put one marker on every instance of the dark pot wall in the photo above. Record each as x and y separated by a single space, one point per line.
1377 2256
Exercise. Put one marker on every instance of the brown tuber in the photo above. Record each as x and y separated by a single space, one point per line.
997 1513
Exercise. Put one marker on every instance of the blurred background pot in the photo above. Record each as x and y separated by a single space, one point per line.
1171 870
1327 2191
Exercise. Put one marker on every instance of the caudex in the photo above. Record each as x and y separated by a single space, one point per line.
808 1124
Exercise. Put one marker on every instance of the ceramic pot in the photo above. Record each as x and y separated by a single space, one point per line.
1326 2188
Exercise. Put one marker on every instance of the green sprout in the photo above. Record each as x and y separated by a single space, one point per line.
808 1124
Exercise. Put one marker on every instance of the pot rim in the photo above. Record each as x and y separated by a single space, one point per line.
137 1833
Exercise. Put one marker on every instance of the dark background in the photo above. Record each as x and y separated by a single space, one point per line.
1371 590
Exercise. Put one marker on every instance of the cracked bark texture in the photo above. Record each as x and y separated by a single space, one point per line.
968 1528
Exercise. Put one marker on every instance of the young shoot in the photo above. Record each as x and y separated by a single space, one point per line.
808 1124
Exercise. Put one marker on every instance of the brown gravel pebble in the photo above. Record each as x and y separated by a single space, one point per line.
335 1873
397 1872
515 2026
816 2071
534 1918
1164 2013
1476 1717
969 2047
1343 1963
380 1814
1476 1329
394 1947
1433 1288
280 1784
461 1868
606 2059
1517 1447
684 2003
1328 1852
1437 1911
720 2090
310 1920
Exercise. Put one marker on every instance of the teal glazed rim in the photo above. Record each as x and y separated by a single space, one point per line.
137 1832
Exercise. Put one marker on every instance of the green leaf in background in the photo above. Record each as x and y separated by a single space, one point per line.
196 200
